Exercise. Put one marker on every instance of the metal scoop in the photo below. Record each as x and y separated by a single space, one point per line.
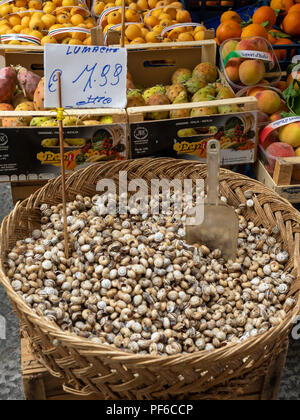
220 226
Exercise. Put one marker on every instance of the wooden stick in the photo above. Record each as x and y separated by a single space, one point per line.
123 24
63 175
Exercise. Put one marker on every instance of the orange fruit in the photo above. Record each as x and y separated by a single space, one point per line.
132 32
151 21
173 35
114 18
163 16
254 30
228 29
6 9
165 23
77 19
171 11
142 5
199 36
291 24
158 29
281 54
18 28
145 31
151 37
48 40
98 8
185 37
131 16
133 6
14 20
183 16
49 7
295 8
139 40
63 18
265 14
152 4
36 24
231 15
48 20
271 36
35 4
283 5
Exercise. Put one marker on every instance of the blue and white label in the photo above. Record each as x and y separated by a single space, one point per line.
91 76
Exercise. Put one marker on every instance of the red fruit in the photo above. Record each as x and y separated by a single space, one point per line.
279 149
28 81
276 150
8 80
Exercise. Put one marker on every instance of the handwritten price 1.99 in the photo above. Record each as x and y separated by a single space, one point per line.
91 77
88 77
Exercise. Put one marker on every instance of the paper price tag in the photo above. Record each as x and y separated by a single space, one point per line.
91 76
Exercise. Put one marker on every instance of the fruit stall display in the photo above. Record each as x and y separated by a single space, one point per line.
30 137
33 22
278 23
150 21
174 110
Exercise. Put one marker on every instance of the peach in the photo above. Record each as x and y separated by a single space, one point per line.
290 134
268 101
252 44
276 150
255 90
280 150
232 69
251 72
228 47
276 117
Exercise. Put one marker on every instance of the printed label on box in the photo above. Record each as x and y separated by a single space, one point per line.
187 138
34 153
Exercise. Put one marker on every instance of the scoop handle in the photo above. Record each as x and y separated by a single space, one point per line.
213 168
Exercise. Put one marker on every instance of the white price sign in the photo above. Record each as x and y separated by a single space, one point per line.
91 76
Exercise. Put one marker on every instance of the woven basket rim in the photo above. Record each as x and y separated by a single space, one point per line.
81 343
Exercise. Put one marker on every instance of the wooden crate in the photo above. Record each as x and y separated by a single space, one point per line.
39 384
281 182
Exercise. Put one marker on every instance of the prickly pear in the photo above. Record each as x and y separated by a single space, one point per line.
158 99
151 91
181 76
207 70
8 80
13 122
225 93
174 90
38 121
38 97
28 81
202 112
135 98
194 84
25 106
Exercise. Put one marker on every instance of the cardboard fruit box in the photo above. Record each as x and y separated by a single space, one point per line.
32 152
187 137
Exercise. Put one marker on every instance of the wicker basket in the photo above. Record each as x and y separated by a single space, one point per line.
88 368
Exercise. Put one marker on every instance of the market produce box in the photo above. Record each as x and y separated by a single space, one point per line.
171 125
32 152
